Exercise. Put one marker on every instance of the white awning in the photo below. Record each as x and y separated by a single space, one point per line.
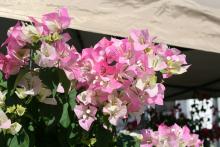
186 23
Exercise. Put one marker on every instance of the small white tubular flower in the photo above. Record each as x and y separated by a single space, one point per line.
115 109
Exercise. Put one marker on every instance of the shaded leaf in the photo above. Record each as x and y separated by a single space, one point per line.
21 140
65 119
72 98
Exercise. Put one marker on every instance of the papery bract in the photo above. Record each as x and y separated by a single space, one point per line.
31 85
9 65
86 115
115 109
15 38
5 123
47 56
142 40
85 97
57 21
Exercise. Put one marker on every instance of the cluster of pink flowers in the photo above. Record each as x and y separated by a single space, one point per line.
53 50
119 75
174 136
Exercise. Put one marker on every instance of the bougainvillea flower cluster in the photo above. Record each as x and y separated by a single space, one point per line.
120 76
166 136
117 78
170 136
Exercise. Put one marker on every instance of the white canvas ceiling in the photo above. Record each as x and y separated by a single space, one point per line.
186 23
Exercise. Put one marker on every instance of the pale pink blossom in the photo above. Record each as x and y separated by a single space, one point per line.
109 84
15 38
115 109
86 97
47 56
166 136
67 56
86 115
40 27
57 21
30 85
134 102
156 95
148 140
141 39
5 123
9 65
156 62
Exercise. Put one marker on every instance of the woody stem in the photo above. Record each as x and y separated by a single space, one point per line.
30 60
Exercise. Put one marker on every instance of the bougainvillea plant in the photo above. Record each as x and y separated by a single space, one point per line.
52 95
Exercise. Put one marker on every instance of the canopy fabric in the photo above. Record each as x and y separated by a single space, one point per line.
186 23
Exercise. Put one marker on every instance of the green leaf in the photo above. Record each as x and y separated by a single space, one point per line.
13 142
72 98
73 133
3 84
20 140
54 90
65 119
49 120
1 76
